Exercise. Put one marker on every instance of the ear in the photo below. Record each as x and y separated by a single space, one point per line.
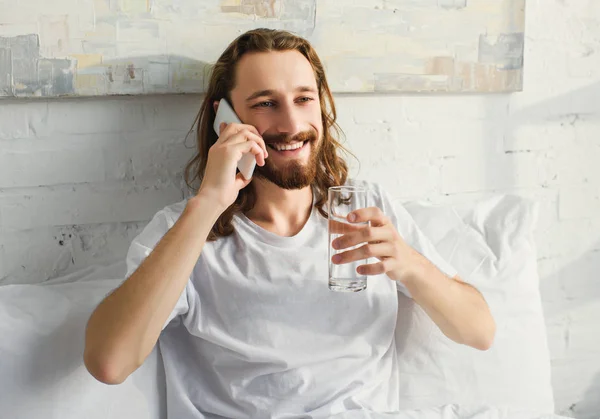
216 105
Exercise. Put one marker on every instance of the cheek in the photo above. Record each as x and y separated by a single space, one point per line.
261 122
316 121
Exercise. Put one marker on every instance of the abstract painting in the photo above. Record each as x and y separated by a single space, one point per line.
116 47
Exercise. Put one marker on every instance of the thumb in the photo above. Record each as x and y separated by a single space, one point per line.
241 182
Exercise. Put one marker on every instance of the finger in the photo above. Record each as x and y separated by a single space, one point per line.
238 127
374 268
372 214
377 250
338 227
234 127
232 131
245 137
250 147
367 234
241 182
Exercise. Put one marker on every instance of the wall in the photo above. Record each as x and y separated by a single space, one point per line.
80 178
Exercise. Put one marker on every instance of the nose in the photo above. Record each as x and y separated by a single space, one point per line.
288 120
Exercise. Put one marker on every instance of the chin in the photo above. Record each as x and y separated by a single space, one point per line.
294 176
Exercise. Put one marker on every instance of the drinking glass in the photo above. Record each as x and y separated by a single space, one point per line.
342 200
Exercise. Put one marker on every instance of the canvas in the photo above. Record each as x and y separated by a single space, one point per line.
113 47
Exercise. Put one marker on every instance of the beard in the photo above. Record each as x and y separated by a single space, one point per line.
294 175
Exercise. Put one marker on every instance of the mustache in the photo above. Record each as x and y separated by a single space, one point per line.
309 135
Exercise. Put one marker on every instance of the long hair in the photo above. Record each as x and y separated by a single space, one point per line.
332 170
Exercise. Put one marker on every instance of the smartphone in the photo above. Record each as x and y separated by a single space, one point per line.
225 113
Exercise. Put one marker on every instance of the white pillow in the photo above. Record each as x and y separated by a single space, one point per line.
42 374
490 243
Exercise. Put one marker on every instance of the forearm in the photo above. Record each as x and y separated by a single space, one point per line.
124 328
458 309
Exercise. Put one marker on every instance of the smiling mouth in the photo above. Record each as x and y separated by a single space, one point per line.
287 146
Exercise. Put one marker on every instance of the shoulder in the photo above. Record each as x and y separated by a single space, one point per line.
162 221
173 212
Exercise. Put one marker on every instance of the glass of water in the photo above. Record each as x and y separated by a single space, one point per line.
342 200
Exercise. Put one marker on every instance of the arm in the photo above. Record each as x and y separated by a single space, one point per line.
458 309
124 328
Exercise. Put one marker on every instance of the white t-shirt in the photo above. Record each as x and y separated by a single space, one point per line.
257 333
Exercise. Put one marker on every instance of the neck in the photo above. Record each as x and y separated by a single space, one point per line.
280 211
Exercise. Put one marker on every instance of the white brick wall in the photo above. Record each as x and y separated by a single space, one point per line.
79 178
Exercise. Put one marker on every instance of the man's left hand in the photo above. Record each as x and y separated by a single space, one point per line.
382 241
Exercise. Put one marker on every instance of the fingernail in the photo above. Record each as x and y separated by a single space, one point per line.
351 217
336 258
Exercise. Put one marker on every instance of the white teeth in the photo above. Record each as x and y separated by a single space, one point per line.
293 146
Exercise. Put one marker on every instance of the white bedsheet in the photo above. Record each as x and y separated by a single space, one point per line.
42 336
41 361
453 411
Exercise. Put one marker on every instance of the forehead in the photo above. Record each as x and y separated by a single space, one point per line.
274 70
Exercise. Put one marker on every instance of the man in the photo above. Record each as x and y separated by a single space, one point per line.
234 279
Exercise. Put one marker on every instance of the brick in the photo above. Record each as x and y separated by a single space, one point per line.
571 381
409 181
13 120
575 166
557 134
555 16
580 202
468 138
568 238
404 172
52 167
148 153
551 288
542 57
490 172
420 108
584 10
176 114
118 162
378 143
581 279
583 60
369 110
587 131
83 116
85 204
3 264
159 160
581 341
557 332
442 138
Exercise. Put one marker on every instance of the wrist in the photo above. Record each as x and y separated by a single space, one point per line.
213 195
205 204
418 272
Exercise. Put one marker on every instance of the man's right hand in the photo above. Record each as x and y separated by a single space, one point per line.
220 181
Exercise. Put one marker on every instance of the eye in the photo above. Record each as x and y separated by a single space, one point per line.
305 99
265 104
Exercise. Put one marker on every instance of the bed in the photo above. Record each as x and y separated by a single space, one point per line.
490 243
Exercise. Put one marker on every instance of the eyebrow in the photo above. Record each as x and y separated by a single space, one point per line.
270 92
